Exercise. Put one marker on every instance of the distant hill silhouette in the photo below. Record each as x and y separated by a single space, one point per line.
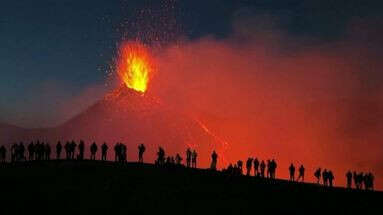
93 187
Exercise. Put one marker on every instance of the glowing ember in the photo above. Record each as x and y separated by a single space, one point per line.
135 66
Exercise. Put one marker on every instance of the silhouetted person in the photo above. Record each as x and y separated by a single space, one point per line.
370 179
273 166
117 152
160 156
262 168
31 151
268 171
168 161
240 165
188 157
301 173
47 151
349 179
249 166
358 180
72 148
214 158
3 154
41 151
318 174
58 150
13 152
124 153
292 172
36 149
194 159
141 151
81 149
93 151
325 177
331 178
104 151
178 159
67 150
256 166
229 170
21 151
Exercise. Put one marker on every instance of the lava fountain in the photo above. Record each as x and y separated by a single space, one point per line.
135 66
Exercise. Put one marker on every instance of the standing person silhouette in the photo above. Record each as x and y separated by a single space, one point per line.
37 150
349 179
93 151
214 158
188 157
268 166
331 178
58 150
318 174
72 150
141 150
160 156
256 166
292 172
21 151
31 151
194 159
104 151
117 152
273 168
325 177
371 178
47 152
81 149
239 165
301 173
178 159
3 154
124 153
262 168
13 152
249 166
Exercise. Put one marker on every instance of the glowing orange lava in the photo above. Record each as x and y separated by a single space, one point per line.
224 145
135 66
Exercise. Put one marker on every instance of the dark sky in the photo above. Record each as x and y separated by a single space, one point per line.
53 50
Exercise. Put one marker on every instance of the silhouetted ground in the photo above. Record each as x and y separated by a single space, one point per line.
94 187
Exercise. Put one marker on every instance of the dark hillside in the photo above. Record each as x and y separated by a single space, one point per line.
91 187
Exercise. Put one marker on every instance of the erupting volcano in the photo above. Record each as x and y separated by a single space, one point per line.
131 115
135 66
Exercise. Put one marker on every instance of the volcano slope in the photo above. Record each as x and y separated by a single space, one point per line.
132 118
94 187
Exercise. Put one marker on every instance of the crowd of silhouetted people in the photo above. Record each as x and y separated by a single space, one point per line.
38 151
301 173
361 180
261 169
163 160
326 175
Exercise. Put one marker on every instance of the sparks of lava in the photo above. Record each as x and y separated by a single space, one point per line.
135 66
224 144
